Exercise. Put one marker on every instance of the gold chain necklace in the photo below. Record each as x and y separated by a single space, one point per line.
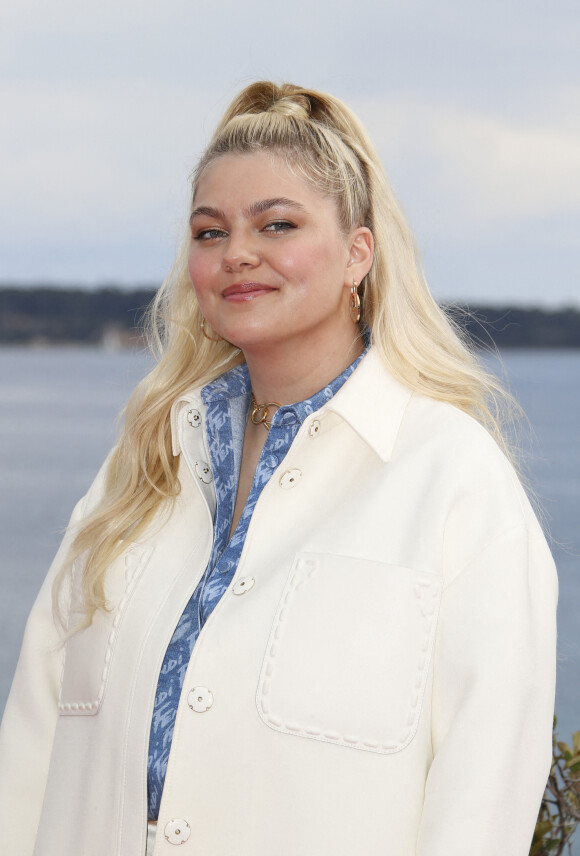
260 412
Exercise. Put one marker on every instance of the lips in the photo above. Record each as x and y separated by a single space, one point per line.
246 290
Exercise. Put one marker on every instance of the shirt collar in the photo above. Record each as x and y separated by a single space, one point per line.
372 402
236 382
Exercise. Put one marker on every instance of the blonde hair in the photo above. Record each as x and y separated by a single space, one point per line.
319 138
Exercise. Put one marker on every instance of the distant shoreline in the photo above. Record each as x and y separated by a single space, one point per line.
47 316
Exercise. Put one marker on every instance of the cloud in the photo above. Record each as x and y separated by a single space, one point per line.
507 169
485 167
96 160
104 111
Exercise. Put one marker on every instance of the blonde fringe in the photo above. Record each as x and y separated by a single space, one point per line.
420 344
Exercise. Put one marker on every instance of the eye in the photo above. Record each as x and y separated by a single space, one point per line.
279 226
209 235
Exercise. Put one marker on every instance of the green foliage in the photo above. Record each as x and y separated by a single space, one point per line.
560 810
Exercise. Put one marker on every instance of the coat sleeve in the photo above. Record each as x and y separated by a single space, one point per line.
30 716
493 701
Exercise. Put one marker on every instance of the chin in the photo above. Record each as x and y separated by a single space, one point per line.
249 336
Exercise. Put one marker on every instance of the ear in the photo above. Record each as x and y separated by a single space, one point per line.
360 257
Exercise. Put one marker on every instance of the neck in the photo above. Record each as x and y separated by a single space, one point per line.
278 375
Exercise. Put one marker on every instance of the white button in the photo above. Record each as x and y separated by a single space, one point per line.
194 417
290 479
243 585
200 699
314 428
177 831
203 471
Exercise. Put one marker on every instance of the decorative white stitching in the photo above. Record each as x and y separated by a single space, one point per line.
427 593
132 571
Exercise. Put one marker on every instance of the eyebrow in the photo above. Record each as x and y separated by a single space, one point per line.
253 210
206 211
278 202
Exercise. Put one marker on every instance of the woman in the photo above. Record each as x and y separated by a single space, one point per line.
295 628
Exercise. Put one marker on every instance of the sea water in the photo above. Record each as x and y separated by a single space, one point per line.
57 422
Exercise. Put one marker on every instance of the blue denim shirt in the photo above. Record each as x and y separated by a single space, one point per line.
228 400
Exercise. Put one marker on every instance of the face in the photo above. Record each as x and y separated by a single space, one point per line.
269 263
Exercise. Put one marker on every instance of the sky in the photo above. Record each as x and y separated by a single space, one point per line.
474 108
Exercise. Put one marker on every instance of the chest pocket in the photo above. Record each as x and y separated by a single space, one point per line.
349 652
88 652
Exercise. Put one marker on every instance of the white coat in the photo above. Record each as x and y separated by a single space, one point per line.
377 679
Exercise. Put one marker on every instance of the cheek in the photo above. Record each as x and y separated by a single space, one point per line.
314 263
200 270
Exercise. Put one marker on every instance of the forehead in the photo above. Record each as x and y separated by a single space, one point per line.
247 178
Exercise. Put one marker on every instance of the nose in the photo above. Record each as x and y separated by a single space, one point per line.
240 251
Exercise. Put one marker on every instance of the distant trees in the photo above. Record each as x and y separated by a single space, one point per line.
45 315
519 327
50 315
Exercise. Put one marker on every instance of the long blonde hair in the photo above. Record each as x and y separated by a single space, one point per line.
320 139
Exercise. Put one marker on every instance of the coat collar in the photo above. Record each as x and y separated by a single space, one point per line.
371 401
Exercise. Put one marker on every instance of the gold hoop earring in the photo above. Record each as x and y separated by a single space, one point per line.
355 303
207 336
